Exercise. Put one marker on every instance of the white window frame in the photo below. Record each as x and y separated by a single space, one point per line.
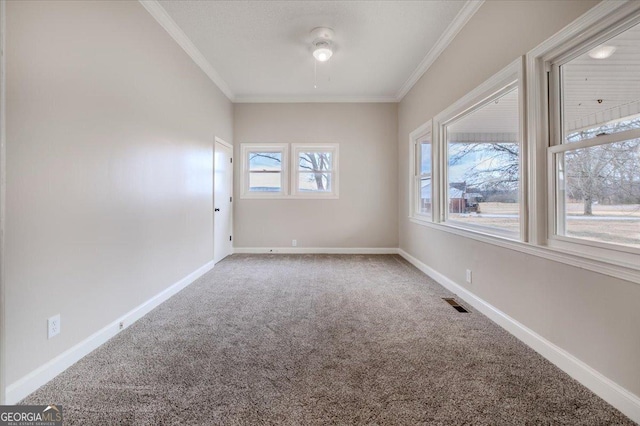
281 148
595 36
598 21
601 23
423 132
296 149
507 79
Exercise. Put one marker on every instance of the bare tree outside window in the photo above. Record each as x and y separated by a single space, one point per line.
497 172
483 151
315 171
605 173
604 181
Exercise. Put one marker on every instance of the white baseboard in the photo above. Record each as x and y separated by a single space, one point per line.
20 389
625 401
316 250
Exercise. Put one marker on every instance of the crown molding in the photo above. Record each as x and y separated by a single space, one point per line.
156 10
461 19
313 99
160 14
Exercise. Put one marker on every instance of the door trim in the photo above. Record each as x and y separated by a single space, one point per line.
223 142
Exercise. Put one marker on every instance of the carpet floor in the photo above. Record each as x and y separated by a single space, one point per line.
318 339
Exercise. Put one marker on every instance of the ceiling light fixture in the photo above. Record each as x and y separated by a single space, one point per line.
322 46
602 52
322 51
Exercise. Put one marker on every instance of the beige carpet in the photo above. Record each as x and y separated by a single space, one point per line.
318 339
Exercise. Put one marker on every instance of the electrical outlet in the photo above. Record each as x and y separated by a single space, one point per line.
468 276
294 243
53 325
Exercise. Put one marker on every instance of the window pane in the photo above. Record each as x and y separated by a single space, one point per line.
265 181
265 161
425 158
315 161
484 165
424 204
601 90
314 182
599 193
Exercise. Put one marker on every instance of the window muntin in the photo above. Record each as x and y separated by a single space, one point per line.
483 165
617 126
315 170
596 165
265 172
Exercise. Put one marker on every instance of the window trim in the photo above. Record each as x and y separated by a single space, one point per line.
565 51
602 22
426 129
507 79
289 170
245 149
296 148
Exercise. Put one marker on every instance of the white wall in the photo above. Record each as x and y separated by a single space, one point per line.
365 215
592 316
110 129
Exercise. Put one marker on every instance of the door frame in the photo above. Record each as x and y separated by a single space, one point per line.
221 141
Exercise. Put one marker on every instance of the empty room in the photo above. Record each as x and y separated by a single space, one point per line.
319 212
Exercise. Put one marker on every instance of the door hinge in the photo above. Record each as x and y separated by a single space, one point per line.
231 160
231 199
230 238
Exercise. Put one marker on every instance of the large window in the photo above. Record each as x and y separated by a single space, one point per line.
315 170
267 173
466 172
476 182
483 160
595 146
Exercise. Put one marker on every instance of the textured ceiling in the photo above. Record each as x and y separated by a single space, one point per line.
261 49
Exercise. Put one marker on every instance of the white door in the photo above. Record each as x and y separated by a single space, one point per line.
222 200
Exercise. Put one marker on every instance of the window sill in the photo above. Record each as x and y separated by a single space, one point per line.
483 230
624 271
263 196
320 196
289 197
